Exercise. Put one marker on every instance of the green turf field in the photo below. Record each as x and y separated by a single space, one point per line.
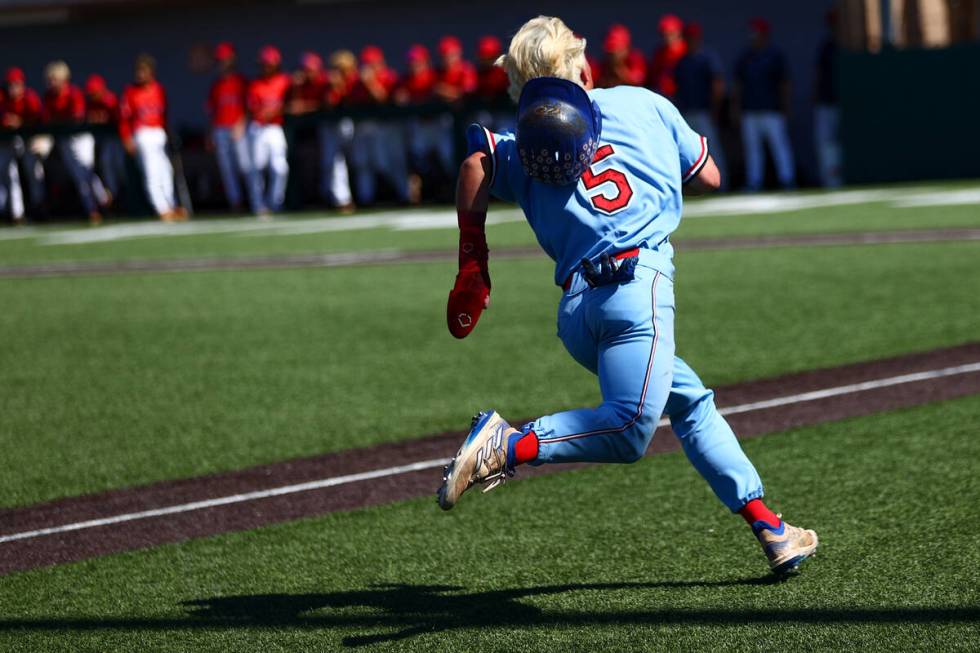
130 379
612 558
119 380
899 207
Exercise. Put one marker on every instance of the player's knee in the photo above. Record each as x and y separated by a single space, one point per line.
636 438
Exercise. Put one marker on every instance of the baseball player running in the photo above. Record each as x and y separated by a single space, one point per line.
599 175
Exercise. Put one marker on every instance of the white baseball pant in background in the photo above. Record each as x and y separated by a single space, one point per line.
78 154
151 150
771 127
11 194
335 140
234 162
269 151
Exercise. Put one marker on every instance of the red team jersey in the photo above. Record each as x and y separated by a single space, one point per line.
66 105
103 109
142 106
461 77
311 94
24 110
359 93
662 67
418 88
632 73
492 83
226 101
267 98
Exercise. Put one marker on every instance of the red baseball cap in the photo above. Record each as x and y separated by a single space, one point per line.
760 25
224 51
693 30
270 55
489 47
311 61
449 45
15 75
95 84
617 38
670 23
372 54
418 54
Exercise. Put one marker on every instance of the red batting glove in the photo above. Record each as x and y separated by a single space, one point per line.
471 293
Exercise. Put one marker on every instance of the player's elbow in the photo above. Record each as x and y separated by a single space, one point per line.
710 177
475 166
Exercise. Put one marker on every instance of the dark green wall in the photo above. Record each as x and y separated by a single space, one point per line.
909 115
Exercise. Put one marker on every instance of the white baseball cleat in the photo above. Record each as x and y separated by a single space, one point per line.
785 547
482 458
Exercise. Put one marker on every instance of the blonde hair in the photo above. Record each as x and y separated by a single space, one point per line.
543 47
57 70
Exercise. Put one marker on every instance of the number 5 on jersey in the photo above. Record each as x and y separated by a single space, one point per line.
606 200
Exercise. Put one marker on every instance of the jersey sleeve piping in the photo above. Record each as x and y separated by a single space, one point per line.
693 171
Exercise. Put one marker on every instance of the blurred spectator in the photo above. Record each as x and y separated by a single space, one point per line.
456 77
102 108
266 99
142 127
491 86
226 106
491 79
701 92
308 88
19 107
666 56
335 136
418 86
378 147
826 118
64 104
761 95
422 133
623 64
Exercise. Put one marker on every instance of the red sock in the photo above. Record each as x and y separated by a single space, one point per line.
525 448
755 511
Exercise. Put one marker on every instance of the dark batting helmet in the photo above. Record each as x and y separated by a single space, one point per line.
557 130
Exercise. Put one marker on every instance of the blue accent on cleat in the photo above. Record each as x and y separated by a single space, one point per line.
759 525
478 422
789 565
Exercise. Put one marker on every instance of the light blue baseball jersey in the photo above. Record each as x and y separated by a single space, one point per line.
630 197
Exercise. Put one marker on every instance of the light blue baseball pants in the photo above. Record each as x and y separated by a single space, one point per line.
624 333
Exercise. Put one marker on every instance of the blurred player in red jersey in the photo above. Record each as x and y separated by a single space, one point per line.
623 64
335 136
64 104
378 147
310 92
423 134
20 107
142 127
266 103
102 108
666 56
491 79
492 83
308 85
456 77
226 106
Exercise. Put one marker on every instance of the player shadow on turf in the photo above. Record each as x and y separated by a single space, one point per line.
417 609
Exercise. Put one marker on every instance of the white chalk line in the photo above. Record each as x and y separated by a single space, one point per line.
439 462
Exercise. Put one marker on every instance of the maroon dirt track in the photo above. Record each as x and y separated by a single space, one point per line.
81 544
